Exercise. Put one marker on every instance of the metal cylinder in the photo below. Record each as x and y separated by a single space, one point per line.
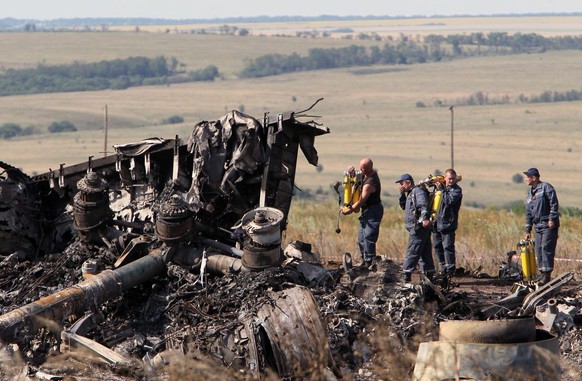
223 264
553 305
80 297
517 330
257 258
534 360
89 268
91 204
174 221
528 260
263 225
262 246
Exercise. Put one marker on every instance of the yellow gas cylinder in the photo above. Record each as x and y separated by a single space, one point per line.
528 260
437 199
437 196
356 187
438 179
347 189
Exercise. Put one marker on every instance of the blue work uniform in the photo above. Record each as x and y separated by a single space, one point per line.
416 210
445 227
542 206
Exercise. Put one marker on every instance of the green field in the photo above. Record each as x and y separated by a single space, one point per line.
369 112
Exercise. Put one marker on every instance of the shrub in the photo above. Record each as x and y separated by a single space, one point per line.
517 207
174 119
517 178
10 130
64 126
209 73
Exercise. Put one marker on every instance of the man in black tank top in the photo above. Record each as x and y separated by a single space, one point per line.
372 211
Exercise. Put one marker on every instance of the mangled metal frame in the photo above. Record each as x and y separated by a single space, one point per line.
225 169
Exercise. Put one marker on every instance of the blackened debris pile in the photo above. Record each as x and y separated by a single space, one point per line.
145 254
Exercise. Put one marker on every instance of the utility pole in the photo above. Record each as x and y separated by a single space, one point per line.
452 138
105 127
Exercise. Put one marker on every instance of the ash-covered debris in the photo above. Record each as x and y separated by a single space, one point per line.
177 313
170 252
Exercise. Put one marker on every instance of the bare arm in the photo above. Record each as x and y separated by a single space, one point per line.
367 190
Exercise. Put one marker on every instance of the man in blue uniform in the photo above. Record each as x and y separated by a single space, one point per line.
414 200
446 222
542 214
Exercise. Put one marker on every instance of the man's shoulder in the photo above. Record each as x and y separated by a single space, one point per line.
457 188
419 190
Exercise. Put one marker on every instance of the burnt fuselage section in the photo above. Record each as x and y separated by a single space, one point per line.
225 168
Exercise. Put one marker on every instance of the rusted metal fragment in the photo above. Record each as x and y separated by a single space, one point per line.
517 330
73 340
536 360
544 293
93 291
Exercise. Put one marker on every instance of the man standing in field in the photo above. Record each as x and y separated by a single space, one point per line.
414 200
446 222
541 213
372 211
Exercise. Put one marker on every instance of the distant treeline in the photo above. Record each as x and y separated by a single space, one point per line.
140 71
517 43
480 98
11 24
114 74
409 51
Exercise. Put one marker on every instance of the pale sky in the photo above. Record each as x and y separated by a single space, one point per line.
203 9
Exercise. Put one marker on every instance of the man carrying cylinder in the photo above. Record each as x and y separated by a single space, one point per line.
542 215
445 221
372 211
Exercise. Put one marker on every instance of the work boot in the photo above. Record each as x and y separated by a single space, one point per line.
374 262
442 270
544 278
406 277
430 276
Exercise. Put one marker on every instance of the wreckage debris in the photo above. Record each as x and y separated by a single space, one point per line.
170 251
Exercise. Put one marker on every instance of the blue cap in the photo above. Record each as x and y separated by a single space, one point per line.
532 172
405 176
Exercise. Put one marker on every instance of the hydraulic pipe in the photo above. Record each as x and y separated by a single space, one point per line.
224 264
82 296
222 246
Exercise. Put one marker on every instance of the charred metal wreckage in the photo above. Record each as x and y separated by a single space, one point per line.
171 250
213 204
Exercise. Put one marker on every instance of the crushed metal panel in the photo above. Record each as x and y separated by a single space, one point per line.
289 135
19 210
295 333
226 156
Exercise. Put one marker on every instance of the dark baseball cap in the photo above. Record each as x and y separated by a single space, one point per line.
532 172
405 176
